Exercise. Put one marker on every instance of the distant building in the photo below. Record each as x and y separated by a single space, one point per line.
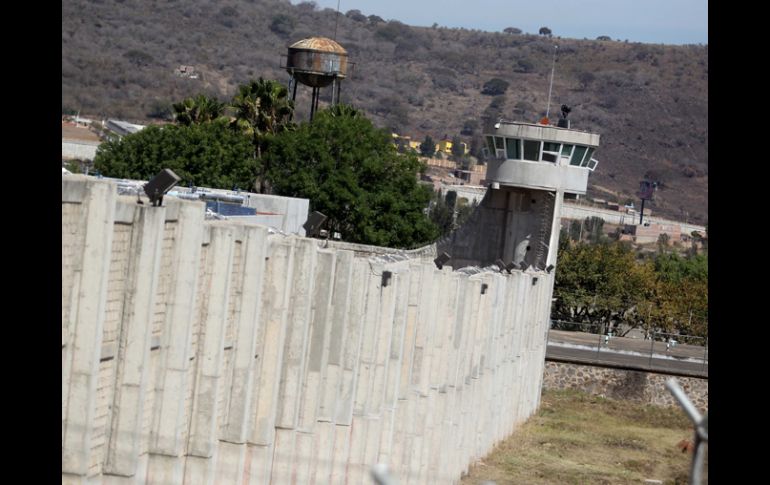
123 128
649 233
78 142
186 71
444 146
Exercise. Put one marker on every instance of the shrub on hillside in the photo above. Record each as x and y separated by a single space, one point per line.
494 87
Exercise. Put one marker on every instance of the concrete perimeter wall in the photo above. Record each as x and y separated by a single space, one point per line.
214 352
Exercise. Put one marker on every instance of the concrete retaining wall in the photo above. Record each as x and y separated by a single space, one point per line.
213 352
82 150
633 385
580 212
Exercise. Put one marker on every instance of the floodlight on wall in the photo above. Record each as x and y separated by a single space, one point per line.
160 185
549 268
441 260
484 287
534 281
510 266
500 264
523 265
313 224
386 275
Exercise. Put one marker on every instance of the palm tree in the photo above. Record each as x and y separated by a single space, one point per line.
263 110
200 109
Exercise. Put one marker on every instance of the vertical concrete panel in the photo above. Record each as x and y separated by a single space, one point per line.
371 317
340 454
355 472
425 328
276 294
401 283
168 425
133 354
205 411
258 466
284 461
410 330
383 340
318 346
338 335
245 339
296 341
351 351
230 462
323 449
85 317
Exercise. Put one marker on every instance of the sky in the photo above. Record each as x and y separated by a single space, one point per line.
648 21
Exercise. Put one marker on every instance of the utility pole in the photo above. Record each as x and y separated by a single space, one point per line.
550 86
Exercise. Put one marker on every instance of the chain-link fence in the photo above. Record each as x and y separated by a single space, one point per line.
654 350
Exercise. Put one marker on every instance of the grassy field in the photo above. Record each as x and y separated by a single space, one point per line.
576 438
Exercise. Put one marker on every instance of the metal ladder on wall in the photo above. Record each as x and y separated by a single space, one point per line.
544 234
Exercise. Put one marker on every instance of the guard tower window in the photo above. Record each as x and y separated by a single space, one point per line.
577 155
592 164
531 150
499 143
491 144
566 152
587 158
513 148
550 151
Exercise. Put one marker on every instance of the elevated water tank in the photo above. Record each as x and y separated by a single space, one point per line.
317 61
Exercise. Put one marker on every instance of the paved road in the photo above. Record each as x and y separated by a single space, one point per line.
634 353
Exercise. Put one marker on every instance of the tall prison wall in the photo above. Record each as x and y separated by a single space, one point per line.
216 352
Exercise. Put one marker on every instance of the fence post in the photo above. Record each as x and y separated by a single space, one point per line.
652 347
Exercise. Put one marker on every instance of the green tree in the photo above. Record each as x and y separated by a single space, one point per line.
263 110
594 227
427 147
458 148
601 283
441 214
352 173
495 87
282 24
200 109
208 154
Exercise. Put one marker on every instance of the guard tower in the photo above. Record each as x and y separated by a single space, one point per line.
530 167
316 62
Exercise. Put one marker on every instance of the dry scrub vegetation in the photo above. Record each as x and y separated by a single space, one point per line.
580 439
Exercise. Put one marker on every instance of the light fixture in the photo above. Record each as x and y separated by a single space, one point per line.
386 275
549 268
442 259
160 185
497 125
313 224
534 281
500 264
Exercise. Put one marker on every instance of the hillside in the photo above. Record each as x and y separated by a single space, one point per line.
649 102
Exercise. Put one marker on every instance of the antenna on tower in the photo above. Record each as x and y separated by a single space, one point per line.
550 87
336 21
